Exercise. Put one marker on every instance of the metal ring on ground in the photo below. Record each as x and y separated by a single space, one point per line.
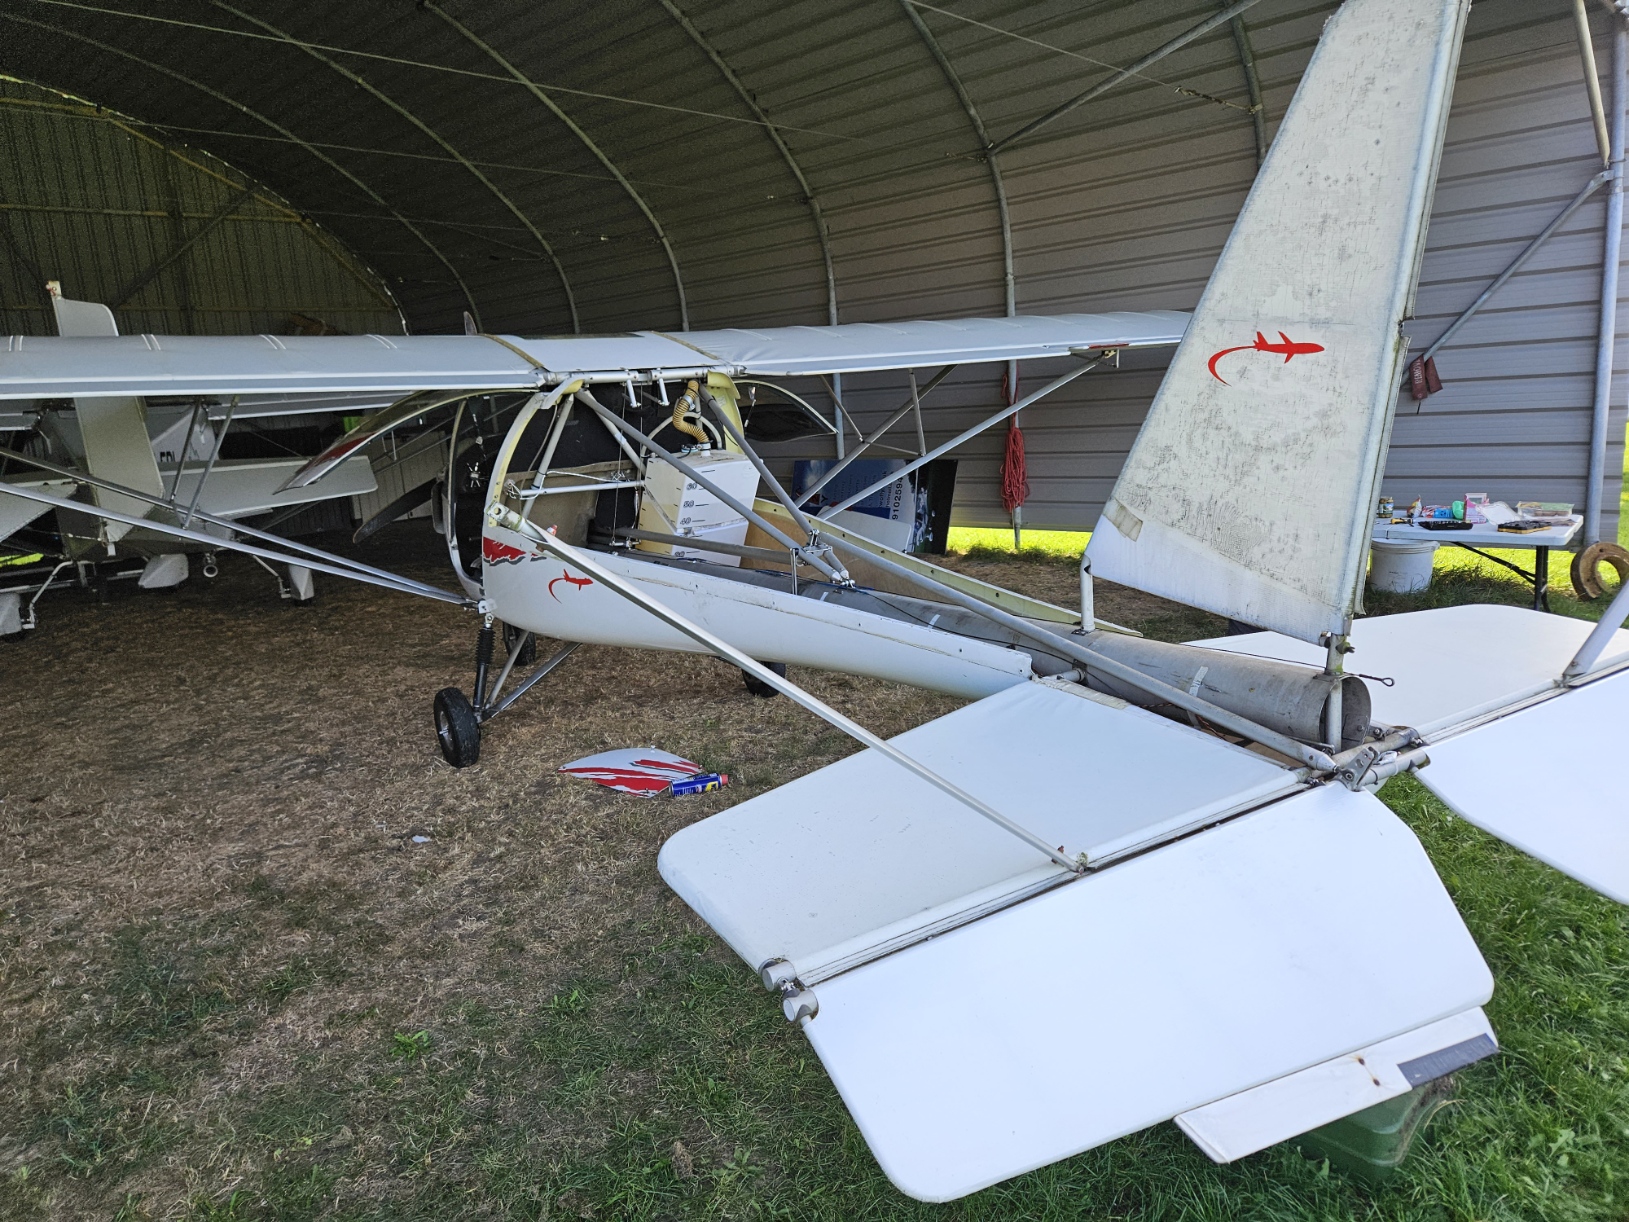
1586 568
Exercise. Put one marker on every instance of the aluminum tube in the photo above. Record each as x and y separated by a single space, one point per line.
957 440
764 474
1592 79
1595 644
531 680
578 559
1531 249
1606 341
1066 645
710 545
508 665
181 459
210 519
1285 697
214 543
751 515
867 442
214 453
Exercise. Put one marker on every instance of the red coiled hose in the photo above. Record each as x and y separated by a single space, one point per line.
1014 473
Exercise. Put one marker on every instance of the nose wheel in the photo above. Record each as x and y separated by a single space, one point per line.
458 718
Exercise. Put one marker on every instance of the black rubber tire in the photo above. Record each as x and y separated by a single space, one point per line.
528 651
758 687
457 729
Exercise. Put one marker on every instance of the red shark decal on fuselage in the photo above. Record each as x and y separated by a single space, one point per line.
565 576
1288 349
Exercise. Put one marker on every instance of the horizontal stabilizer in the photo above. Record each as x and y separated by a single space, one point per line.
16 513
1254 950
1548 780
1442 669
861 857
1286 1107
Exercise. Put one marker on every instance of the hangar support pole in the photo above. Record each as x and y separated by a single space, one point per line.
532 87
436 137
992 160
1252 84
1611 253
1103 86
996 181
288 135
822 231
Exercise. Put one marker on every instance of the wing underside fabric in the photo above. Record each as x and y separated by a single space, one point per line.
54 367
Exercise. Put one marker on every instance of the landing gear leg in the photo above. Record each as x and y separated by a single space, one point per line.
458 719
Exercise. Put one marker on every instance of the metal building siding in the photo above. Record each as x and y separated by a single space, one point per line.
1124 202
94 204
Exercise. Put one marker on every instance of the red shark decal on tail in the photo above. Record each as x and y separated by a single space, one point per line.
1288 349
565 576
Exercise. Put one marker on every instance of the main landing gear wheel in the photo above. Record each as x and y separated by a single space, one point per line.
758 687
457 728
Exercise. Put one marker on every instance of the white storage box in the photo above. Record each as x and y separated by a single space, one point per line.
674 504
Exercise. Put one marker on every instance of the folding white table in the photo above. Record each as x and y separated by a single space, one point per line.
1484 534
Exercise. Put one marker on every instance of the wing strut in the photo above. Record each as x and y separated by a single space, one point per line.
957 440
311 557
510 520
1590 652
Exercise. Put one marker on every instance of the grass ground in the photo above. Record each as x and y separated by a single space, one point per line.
233 985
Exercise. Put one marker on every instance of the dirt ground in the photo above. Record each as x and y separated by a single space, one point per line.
236 870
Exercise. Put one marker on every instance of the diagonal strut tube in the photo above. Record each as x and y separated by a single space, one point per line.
978 428
401 585
757 519
357 568
511 520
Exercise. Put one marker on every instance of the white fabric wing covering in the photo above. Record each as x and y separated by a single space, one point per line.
53 367
1249 490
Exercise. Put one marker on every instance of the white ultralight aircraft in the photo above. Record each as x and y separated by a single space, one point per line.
1132 881
166 456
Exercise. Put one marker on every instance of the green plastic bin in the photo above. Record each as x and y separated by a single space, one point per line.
1370 1145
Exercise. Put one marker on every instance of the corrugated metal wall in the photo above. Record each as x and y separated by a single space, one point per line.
472 153
1131 210
97 203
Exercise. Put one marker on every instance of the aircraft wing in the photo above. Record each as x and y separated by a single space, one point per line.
49 367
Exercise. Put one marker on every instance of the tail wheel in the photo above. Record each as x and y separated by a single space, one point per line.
458 731
758 687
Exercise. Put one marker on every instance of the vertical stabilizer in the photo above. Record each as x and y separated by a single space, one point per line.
1249 489
113 428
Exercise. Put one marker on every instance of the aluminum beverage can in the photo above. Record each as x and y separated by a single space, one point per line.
700 783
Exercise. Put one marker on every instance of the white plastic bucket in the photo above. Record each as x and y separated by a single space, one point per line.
1401 567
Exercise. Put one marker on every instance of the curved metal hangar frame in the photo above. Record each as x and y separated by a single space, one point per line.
690 164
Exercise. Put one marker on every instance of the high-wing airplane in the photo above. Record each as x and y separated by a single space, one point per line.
168 454
1131 881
